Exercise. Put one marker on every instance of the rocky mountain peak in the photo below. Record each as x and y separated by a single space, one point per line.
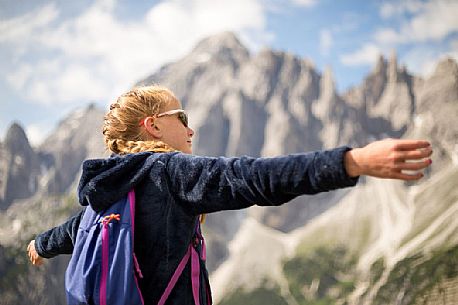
323 106
210 67
16 138
19 167
77 137
327 82
74 127
393 67
440 87
380 65
436 111
446 67
225 44
393 99
375 83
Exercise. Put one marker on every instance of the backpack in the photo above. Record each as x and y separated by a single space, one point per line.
104 269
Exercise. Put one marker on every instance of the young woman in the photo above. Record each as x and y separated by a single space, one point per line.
148 133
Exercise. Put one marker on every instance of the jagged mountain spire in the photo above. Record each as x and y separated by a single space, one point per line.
16 138
393 67
20 167
380 66
216 43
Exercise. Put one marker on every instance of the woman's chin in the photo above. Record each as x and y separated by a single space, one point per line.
187 150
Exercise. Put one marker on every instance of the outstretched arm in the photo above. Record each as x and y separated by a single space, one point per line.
206 185
389 159
58 240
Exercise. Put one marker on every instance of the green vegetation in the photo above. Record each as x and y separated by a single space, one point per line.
13 265
322 277
415 276
326 276
377 269
259 296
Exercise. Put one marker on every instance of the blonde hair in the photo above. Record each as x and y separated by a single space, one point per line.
121 130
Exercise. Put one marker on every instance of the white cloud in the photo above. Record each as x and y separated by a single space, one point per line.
397 8
306 3
17 29
431 21
421 61
16 32
20 76
423 27
326 41
96 56
366 55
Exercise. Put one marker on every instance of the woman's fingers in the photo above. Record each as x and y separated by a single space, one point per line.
29 249
38 261
34 257
407 177
411 150
415 154
413 165
388 158
411 144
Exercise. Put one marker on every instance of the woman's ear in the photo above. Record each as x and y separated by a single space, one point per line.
152 128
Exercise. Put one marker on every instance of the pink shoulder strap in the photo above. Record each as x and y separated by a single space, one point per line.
192 254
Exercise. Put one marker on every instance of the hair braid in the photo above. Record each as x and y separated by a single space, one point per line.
120 146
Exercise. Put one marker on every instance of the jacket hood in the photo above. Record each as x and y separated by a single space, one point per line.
105 181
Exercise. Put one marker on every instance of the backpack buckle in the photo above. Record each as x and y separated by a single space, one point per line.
106 220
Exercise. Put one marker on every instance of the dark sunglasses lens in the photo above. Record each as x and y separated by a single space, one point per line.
183 118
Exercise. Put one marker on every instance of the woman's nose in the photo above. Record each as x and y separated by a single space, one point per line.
190 132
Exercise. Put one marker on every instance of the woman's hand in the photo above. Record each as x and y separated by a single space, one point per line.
389 158
35 259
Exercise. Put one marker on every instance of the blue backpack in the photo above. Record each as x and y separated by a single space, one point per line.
103 268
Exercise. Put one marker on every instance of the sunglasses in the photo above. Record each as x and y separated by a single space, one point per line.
182 116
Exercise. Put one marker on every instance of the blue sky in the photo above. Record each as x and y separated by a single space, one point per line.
56 56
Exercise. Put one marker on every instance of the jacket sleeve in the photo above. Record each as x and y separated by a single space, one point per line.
207 185
60 239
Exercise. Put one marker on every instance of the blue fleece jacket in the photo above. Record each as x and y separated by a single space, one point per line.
172 189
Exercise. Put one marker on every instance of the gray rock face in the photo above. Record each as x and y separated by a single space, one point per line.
437 112
339 120
76 138
237 102
396 104
52 168
19 167
385 102
290 85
